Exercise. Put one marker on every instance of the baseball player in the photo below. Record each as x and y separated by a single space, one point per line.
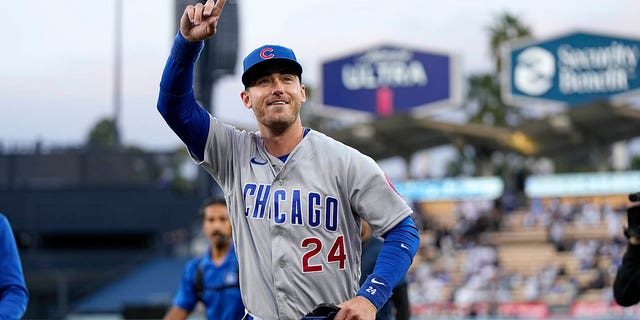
295 195
14 295
213 277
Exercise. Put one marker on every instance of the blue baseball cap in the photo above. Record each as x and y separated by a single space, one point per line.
266 55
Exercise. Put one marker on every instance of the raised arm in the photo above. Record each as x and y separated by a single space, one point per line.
176 101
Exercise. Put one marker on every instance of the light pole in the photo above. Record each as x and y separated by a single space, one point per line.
117 71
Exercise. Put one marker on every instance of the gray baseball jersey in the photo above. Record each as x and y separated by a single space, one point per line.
296 225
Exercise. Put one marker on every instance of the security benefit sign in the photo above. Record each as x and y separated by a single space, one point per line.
387 79
574 69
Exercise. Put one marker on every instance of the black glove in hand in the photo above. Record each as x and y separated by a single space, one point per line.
322 311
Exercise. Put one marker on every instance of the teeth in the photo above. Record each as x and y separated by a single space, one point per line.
278 102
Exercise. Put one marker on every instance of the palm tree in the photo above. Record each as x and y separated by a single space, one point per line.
505 29
484 99
484 96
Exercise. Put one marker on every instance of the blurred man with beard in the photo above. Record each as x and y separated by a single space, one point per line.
213 277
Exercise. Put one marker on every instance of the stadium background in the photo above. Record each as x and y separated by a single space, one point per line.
104 229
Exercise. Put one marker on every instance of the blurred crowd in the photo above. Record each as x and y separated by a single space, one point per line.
460 264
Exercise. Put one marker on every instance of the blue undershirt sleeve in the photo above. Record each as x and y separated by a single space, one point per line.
14 296
400 246
176 101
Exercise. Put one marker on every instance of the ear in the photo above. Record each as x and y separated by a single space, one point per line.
246 99
303 94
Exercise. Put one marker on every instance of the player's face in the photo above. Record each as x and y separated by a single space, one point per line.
216 225
275 97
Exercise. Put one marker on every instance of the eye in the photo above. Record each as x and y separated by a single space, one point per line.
262 81
288 78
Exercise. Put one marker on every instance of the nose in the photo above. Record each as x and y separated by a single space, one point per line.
277 87
217 225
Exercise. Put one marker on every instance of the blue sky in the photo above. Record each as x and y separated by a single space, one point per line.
56 61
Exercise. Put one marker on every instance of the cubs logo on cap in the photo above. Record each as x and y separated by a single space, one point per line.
265 55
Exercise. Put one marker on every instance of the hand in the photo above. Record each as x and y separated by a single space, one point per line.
199 22
358 308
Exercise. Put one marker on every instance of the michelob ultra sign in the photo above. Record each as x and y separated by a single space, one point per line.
574 69
387 79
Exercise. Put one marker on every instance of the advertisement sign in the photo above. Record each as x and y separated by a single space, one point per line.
485 188
582 184
571 70
387 79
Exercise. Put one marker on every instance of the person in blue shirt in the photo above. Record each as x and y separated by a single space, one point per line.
13 290
213 277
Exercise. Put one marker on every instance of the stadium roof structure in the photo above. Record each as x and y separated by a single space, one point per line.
564 134
153 284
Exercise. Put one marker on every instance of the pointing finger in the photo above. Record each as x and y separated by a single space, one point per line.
220 4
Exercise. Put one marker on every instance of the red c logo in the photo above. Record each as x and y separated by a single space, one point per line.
266 53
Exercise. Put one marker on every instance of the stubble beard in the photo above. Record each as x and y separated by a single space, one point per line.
280 122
